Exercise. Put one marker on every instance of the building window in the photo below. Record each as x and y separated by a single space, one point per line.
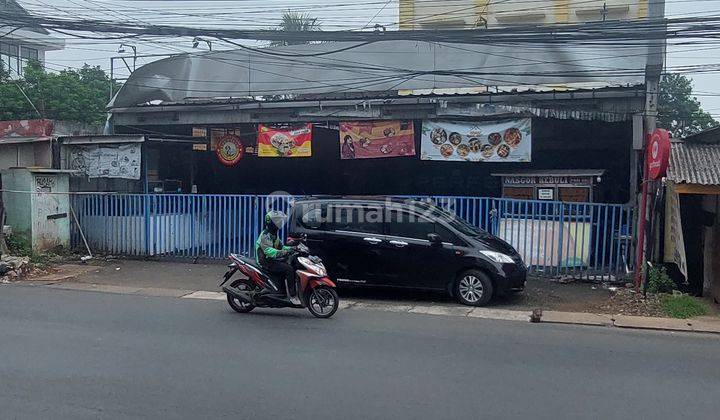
28 54
10 57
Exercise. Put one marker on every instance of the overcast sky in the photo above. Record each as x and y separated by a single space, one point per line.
333 14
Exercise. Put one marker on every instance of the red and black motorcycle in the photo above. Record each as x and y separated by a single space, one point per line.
315 289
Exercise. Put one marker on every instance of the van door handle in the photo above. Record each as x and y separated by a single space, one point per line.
399 244
372 240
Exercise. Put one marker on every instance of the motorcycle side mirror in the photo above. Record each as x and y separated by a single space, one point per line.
434 238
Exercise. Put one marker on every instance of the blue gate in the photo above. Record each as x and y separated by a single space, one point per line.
582 240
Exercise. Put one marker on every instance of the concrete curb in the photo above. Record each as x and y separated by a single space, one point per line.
706 325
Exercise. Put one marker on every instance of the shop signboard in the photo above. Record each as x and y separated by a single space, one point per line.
285 142
485 141
658 154
229 150
376 139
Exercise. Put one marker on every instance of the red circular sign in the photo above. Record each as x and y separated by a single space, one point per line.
658 153
229 149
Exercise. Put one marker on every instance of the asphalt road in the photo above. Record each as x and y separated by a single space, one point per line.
77 355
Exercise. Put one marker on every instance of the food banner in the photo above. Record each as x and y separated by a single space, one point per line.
285 142
376 139
486 141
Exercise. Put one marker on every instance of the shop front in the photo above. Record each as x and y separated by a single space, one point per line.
408 157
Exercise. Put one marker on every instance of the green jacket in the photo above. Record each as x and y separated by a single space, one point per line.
269 247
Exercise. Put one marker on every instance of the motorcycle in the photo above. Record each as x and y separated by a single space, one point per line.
315 289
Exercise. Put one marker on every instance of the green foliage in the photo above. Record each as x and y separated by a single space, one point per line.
679 111
296 22
73 95
659 281
18 244
683 306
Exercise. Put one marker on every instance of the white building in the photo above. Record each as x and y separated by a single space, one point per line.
18 45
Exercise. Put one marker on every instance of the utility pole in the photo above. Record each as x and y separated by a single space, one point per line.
653 72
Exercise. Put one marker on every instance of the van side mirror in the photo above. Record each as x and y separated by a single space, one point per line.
434 238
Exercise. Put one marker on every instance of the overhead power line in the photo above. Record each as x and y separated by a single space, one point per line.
585 33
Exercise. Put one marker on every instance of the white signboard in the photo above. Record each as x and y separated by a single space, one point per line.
674 241
107 161
548 243
485 141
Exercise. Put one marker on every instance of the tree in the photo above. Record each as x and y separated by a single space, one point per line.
678 110
296 22
74 95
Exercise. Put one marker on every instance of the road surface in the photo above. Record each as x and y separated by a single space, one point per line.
85 355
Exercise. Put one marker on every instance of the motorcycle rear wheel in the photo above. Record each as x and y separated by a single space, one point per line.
237 304
323 302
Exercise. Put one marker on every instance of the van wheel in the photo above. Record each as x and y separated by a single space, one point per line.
474 288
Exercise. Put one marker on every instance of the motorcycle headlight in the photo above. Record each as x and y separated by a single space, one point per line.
498 257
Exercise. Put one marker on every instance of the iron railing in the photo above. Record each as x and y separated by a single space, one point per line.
587 240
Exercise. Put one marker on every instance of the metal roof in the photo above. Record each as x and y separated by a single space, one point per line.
694 163
419 66
552 172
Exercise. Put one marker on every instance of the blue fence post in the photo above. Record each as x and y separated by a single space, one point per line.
146 199
561 228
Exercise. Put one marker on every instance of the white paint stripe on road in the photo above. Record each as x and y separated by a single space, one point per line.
205 295
504 314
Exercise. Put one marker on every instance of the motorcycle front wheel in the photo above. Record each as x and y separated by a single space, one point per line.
237 304
323 302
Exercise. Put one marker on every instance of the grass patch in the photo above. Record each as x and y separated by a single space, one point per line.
683 306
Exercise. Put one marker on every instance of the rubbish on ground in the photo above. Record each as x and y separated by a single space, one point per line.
536 315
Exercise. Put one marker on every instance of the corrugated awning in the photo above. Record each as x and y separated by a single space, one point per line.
103 139
694 163
19 140
553 172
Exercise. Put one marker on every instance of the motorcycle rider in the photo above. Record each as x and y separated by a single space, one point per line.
272 255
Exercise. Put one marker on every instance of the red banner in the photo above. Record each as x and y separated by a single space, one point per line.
376 139
290 142
26 128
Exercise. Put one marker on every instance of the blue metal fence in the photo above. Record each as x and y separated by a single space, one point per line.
586 240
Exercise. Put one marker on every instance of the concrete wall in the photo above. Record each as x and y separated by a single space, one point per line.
17 205
424 14
50 211
35 209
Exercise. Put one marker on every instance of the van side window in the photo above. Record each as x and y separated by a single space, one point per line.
446 234
354 218
313 218
407 225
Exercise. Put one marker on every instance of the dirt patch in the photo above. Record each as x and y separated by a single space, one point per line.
626 302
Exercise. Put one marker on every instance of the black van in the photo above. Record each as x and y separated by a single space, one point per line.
405 243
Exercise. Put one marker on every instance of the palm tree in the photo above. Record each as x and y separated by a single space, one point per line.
296 22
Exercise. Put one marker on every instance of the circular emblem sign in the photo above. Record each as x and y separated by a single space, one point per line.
658 154
229 149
